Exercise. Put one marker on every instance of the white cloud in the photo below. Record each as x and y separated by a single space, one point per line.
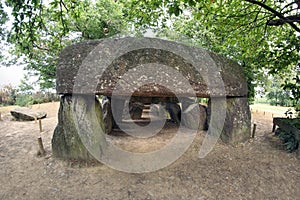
11 75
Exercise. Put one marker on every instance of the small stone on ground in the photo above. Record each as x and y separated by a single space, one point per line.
27 114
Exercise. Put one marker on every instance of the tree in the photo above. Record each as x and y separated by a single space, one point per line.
260 35
41 30
283 12
8 95
278 96
26 87
294 86
3 20
266 13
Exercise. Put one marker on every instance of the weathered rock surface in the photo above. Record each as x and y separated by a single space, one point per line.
66 141
27 114
237 125
158 110
136 110
92 70
195 117
174 111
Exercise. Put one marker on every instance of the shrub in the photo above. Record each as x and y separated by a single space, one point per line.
24 100
289 140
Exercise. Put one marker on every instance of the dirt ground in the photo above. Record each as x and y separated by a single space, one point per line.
257 169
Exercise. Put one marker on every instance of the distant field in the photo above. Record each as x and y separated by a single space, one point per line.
276 110
6 109
43 106
261 101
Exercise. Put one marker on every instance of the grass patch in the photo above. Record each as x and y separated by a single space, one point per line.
6 109
267 107
261 101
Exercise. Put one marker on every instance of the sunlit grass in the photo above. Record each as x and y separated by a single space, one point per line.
261 106
5 109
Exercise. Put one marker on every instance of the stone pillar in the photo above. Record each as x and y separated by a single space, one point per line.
191 118
66 142
117 105
186 102
108 119
237 125
136 110
174 111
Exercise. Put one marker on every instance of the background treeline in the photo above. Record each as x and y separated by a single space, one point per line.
10 95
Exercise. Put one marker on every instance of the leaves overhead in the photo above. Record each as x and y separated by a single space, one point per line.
40 30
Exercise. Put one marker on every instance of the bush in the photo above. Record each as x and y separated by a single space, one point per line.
24 100
289 140
36 98
8 95
279 97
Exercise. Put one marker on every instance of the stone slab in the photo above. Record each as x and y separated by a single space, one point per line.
96 67
27 114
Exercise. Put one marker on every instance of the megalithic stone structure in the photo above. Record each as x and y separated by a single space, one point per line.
97 67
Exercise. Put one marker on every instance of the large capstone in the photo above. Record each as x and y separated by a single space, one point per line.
80 67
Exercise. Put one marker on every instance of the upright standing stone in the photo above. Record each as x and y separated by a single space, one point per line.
195 117
174 111
136 110
117 105
237 125
107 115
66 142
158 110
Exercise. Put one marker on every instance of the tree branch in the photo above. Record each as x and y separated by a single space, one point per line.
63 3
278 22
40 48
276 13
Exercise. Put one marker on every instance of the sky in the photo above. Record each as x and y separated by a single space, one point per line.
11 75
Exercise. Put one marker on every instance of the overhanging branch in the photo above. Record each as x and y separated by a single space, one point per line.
282 19
278 22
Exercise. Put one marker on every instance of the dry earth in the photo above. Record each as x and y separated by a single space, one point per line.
258 169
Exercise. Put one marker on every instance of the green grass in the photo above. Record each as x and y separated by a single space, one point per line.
261 101
277 110
262 106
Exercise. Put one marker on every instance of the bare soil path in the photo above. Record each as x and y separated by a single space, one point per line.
258 169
